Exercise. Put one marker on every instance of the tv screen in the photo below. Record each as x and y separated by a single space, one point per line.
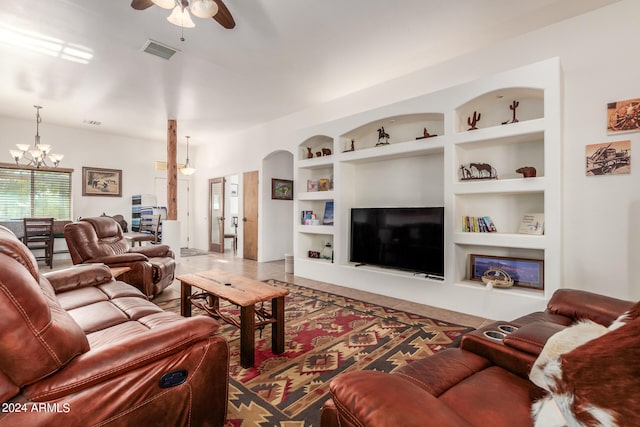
401 238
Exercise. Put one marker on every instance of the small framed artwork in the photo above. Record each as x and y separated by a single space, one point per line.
526 273
608 158
623 116
312 185
323 184
101 182
281 189
234 190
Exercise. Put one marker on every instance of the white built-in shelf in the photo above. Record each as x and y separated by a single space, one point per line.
316 229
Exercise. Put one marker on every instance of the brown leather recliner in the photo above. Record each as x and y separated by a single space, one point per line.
79 348
484 382
100 240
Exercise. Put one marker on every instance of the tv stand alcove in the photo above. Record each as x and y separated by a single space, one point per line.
416 171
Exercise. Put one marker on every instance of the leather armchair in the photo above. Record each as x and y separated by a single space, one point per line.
79 348
100 240
484 382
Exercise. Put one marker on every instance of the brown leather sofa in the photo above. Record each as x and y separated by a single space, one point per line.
79 348
484 382
100 240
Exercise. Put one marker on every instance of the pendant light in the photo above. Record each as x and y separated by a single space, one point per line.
187 169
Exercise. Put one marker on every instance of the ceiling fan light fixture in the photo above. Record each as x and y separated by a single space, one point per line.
181 18
165 4
203 8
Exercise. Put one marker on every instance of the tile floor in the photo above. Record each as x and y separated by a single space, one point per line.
275 270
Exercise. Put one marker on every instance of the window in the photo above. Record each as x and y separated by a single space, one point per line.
31 192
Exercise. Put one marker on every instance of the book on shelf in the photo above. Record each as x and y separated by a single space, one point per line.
478 224
327 219
307 216
532 223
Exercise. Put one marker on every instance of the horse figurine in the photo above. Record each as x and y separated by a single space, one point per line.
383 136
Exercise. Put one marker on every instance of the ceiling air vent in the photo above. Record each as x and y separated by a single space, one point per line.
158 49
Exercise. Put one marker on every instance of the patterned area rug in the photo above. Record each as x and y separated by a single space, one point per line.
325 335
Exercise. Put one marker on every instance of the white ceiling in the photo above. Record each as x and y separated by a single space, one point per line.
283 56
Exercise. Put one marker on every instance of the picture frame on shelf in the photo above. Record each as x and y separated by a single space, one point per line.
323 184
312 185
532 223
281 189
101 182
525 272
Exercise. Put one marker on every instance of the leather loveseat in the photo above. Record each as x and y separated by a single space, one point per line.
100 240
78 348
484 382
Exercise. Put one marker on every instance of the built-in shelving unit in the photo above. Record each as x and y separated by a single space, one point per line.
415 171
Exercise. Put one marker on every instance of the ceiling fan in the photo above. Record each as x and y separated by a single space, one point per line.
199 8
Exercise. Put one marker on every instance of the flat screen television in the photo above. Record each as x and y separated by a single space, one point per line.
400 238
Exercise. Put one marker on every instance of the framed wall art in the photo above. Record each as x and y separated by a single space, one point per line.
101 182
526 273
608 158
623 116
281 189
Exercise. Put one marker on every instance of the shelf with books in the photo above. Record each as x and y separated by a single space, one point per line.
506 240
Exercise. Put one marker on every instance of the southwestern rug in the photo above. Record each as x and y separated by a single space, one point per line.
326 334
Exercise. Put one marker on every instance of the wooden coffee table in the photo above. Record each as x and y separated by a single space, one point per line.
241 291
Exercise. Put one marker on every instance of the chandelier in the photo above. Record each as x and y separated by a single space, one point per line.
187 169
38 156
180 15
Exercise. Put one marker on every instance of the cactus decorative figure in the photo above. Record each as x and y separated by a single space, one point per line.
514 105
473 122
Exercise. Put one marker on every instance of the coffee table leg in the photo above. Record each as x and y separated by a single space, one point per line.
277 328
185 304
247 335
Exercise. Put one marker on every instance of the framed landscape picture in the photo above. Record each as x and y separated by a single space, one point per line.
526 273
281 189
101 182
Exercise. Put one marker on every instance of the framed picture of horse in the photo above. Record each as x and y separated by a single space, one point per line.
101 182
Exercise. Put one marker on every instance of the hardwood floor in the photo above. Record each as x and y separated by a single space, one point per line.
275 270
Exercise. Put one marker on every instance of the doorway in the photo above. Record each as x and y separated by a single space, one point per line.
250 217
216 215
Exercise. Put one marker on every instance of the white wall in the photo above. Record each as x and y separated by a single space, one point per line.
600 236
276 225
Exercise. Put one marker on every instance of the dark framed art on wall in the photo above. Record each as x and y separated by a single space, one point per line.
101 182
281 189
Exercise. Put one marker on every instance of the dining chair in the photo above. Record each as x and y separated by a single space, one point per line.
38 236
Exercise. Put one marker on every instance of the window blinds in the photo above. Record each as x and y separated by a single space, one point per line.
30 192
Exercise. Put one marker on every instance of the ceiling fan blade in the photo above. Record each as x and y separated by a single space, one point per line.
141 4
223 17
